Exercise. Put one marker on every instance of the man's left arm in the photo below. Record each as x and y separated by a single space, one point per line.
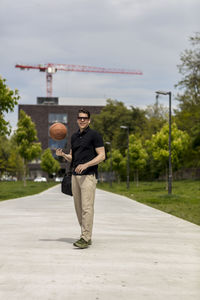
95 161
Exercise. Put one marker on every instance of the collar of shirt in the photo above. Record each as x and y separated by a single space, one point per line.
83 132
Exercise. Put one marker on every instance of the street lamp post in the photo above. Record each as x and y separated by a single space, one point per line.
128 162
170 135
109 143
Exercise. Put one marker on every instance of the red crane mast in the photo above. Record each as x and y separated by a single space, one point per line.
51 69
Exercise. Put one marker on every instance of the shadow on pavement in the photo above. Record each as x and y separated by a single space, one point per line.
64 240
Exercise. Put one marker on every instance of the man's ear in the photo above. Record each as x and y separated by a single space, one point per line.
89 121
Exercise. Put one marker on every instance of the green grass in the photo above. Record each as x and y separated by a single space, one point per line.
11 190
183 203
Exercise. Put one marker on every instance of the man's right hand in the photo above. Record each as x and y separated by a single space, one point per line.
59 152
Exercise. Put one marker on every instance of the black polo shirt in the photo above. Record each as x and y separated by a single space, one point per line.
83 146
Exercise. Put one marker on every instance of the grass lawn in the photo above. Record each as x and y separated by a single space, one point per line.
11 190
183 203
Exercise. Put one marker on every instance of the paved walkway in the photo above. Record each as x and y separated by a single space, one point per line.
137 253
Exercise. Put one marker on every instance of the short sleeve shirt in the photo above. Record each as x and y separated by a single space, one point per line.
83 146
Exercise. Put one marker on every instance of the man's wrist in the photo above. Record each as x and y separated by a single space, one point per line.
64 156
86 165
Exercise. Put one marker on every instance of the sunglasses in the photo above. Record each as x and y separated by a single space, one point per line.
82 118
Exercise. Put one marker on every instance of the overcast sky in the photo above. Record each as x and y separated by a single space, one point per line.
145 35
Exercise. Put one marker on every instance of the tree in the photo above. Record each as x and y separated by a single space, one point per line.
4 153
109 120
159 146
188 114
114 114
138 121
48 163
10 160
138 156
15 161
15 165
190 69
118 166
8 100
196 149
156 115
26 138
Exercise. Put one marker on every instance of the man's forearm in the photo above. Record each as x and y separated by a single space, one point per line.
95 161
68 157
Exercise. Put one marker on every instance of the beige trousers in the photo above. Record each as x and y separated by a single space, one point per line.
83 189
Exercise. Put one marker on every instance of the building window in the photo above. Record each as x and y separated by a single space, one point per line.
53 117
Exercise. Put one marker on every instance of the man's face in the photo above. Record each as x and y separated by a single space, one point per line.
83 121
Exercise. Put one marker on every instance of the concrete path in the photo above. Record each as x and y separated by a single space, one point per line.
137 253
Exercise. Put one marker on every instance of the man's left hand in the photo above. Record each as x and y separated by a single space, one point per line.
80 168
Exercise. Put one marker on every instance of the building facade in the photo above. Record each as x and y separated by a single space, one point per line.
46 112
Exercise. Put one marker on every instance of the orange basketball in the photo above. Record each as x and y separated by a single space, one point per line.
57 131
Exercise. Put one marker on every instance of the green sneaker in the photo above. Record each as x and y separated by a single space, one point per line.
82 243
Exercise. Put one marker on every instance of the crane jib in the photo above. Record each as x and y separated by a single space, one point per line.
51 69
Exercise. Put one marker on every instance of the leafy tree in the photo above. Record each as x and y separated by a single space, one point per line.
10 160
138 121
109 120
118 166
156 115
4 153
188 114
26 137
48 163
196 150
8 100
15 164
159 146
138 156
114 114
190 69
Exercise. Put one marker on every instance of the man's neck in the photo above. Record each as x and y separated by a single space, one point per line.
83 129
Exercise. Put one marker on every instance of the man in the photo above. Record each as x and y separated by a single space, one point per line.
87 151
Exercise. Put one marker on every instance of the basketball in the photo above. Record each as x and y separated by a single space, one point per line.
57 131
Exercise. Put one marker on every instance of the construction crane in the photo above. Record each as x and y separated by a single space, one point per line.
51 69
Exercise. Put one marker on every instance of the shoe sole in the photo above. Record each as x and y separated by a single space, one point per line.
78 245
81 246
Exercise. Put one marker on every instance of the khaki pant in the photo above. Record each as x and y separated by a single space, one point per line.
83 189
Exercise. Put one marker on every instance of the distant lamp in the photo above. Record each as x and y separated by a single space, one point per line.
170 162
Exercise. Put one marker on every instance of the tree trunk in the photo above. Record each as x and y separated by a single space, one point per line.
118 178
137 178
24 173
166 179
